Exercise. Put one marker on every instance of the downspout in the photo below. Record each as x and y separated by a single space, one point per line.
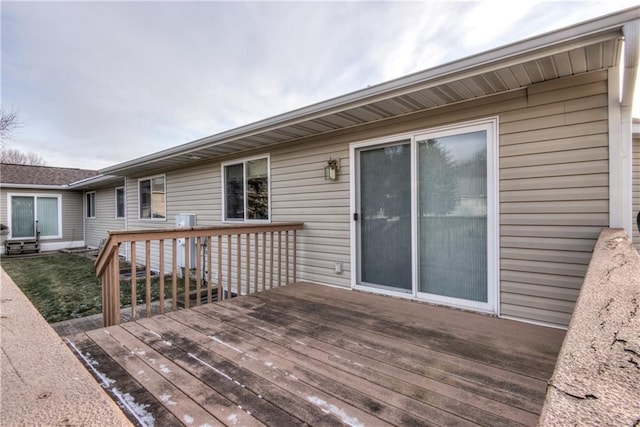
631 31
620 134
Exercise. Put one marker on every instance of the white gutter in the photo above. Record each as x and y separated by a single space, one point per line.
35 186
98 179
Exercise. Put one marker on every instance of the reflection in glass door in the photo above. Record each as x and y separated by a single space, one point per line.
452 216
384 223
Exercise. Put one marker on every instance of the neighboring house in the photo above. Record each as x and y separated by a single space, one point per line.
58 202
38 198
481 184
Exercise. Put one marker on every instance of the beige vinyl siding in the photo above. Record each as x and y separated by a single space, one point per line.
71 212
300 193
105 220
636 192
553 194
194 190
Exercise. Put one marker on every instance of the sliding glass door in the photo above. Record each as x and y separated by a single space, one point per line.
385 217
425 221
452 216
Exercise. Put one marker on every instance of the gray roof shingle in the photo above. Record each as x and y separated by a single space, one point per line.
42 175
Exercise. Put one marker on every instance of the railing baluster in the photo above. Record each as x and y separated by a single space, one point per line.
295 254
147 254
198 269
220 293
279 258
264 260
186 275
134 282
286 257
255 262
161 270
174 275
229 266
271 262
209 243
239 262
247 255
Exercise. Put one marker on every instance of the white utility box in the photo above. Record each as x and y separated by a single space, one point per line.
186 220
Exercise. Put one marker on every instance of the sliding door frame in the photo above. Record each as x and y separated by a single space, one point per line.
490 125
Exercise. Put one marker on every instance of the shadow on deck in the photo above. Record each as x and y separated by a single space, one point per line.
323 356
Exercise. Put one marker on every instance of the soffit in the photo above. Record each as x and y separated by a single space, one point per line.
595 52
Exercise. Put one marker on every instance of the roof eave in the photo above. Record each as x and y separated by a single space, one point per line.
35 186
519 51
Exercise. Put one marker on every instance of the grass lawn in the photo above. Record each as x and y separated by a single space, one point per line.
64 286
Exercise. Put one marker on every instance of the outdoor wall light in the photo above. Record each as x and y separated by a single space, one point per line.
331 170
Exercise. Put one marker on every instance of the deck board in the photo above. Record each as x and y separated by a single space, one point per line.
313 355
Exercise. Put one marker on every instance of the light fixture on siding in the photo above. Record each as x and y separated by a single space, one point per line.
331 170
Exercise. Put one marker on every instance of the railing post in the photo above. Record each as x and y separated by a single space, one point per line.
295 254
147 262
108 268
134 281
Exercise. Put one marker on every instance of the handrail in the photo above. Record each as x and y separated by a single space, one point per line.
253 254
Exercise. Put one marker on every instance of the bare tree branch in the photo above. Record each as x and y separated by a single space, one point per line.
9 121
17 157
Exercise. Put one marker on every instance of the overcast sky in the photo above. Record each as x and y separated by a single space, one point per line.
98 83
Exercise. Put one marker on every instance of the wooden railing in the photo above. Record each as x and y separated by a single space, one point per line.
229 260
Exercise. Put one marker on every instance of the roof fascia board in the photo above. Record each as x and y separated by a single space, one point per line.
580 34
99 179
35 186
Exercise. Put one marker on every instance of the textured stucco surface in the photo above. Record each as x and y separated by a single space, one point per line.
41 382
597 377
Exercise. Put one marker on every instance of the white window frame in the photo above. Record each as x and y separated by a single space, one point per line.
491 124
124 201
86 204
35 213
244 161
150 178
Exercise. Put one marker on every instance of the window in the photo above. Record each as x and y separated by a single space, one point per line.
151 198
31 213
120 212
246 190
90 204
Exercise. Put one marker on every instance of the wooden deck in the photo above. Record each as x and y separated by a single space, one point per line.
313 355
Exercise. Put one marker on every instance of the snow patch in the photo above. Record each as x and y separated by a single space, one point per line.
139 411
213 368
219 341
187 419
328 408
166 398
164 369
233 419
269 331
167 343
154 333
